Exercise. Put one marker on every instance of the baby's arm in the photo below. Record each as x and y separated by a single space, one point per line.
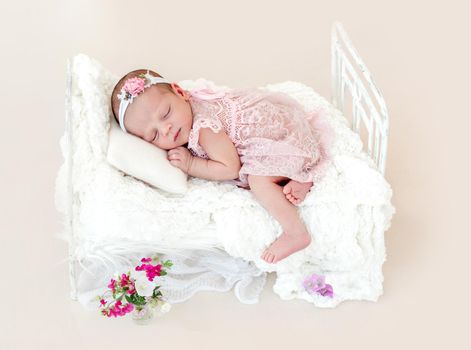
224 162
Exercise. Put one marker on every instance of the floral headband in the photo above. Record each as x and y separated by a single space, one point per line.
133 87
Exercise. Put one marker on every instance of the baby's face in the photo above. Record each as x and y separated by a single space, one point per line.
160 117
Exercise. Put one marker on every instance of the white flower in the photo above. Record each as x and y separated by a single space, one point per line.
165 308
144 287
122 95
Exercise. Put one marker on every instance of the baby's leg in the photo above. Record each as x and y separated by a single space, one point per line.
295 236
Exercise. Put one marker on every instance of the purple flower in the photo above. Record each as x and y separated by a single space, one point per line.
316 284
327 291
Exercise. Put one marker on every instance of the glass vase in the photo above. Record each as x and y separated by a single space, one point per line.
142 315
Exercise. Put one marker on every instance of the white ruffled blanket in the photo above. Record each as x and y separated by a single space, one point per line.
118 216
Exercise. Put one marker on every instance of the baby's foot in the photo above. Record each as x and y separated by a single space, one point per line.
296 191
286 245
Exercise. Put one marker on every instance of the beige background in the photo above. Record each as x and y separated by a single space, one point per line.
419 54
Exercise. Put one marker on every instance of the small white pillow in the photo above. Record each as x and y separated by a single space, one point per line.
144 161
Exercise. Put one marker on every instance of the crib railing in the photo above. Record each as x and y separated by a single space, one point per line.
349 75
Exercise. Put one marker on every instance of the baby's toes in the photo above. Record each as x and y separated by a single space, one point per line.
292 199
264 254
267 255
287 189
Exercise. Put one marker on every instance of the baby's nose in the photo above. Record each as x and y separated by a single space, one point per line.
167 129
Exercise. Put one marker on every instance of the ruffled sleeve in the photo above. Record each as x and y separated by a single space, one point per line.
204 116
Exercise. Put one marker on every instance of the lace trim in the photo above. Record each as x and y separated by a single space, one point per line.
193 145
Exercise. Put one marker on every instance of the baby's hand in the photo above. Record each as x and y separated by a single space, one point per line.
181 158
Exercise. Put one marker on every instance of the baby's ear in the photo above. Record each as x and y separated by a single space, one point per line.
179 91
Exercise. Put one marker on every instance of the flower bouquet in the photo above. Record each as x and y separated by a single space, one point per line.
136 292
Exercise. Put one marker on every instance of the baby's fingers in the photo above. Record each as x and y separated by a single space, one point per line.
173 156
176 162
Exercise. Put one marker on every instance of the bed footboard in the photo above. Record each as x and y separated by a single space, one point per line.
350 75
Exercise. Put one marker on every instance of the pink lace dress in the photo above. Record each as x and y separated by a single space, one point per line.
273 134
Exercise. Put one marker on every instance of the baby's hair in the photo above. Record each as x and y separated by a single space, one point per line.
114 96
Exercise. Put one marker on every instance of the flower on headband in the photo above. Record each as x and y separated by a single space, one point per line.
134 86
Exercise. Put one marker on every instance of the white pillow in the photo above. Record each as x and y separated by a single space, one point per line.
144 161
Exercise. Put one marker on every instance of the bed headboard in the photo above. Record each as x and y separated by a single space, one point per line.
350 76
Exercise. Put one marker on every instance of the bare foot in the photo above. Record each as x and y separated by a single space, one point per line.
286 245
296 191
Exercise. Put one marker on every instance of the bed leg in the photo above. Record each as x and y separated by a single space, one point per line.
72 277
70 191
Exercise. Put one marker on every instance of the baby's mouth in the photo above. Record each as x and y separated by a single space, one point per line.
176 135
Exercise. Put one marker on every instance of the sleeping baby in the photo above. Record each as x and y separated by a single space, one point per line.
256 139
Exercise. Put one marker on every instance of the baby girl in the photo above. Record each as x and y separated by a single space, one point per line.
256 139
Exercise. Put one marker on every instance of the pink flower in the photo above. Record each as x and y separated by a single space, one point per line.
134 86
112 285
132 289
102 302
111 312
118 310
151 270
128 308
145 260
124 280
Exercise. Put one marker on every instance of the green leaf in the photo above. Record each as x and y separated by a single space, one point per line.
136 299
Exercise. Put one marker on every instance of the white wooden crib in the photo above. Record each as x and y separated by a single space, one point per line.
354 93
